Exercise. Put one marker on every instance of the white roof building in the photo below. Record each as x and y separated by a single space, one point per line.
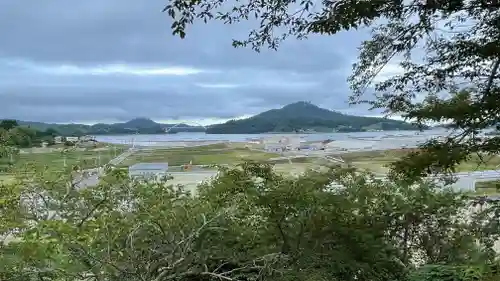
72 139
148 170
287 143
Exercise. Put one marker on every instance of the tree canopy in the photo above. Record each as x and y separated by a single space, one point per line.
249 223
13 137
448 51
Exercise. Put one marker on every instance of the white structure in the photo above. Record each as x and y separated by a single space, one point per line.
149 171
280 143
86 138
467 181
72 139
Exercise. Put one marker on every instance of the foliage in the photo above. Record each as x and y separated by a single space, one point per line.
448 53
303 116
294 117
13 134
8 154
7 124
69 143
248 224
13 137
455 273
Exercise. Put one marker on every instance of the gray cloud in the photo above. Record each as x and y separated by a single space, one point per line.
52 51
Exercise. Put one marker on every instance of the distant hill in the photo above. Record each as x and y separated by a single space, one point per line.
306 117
137 125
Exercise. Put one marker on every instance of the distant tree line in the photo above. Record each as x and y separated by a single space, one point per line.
264 125
13 137
134 126
21 136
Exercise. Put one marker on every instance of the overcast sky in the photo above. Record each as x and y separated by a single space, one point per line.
112 60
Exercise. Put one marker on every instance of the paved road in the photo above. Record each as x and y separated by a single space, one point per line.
90 177
120 158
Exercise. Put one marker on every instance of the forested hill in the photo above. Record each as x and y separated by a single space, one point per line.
137 125
306 117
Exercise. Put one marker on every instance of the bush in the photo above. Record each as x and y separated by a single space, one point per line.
69 143
249 223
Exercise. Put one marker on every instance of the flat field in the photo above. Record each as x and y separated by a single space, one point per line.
377 161
57 159
199 155
488 188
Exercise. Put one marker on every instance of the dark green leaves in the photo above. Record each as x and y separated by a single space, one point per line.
448 53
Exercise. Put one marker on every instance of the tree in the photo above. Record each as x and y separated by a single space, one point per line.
22 137
8 124
448 51
51 132
8 153
454 272
248 224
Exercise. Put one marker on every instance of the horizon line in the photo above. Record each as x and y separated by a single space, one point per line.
191 122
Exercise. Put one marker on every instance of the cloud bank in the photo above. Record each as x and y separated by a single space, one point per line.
106 61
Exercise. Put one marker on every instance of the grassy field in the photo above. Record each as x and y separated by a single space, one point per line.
487 188
200 155
4 179
56 160
377 161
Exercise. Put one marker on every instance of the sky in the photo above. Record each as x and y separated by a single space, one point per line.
92 61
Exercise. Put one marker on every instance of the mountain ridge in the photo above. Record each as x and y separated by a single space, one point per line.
306 117
301 117
140 125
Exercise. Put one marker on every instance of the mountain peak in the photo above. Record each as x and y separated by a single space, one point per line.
305 116
301 105
141 122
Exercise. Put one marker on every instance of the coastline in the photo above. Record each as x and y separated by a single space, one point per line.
349 141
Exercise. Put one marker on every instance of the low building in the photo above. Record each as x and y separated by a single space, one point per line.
58 139
281 143
86 138
72 139
148 171
306 147
274 147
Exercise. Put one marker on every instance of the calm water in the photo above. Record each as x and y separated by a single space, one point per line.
165 139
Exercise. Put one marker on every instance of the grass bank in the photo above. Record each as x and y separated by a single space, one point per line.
57 160
377 161
199 155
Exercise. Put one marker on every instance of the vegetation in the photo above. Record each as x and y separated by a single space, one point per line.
248 224
488 187
13 137
305 117
448 53
296 117
60 160
12 134
199 155
134 126
253 224
380 160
